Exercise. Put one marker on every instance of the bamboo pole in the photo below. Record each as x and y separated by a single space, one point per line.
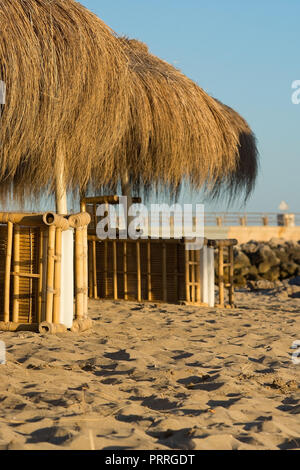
7 272
31 279
85 270
115 270
192 264
48 328
40 281
176 272
44 271
90 249
164 272
79 273
50 274
221 274
231 275
16 282
187 275
94 262
139 277
149 278
125 270
105 268
57 276
198 280
15 327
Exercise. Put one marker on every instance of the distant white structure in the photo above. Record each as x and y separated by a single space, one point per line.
283 206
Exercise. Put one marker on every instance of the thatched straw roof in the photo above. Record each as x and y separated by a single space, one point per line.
66 77
206 142
190 135
244 178
103 103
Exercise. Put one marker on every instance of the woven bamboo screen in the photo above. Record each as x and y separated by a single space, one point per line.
153 270
28 297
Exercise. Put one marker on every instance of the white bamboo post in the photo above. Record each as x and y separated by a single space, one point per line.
79 273
211 276
57 276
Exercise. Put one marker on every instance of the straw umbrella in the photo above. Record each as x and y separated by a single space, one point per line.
183 132
248 162
84 108
67 106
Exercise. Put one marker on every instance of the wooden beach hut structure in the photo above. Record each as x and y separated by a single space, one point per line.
85 109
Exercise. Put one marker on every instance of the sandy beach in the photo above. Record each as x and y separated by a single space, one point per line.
152 376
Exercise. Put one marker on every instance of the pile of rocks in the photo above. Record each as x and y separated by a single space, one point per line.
276 260
280 289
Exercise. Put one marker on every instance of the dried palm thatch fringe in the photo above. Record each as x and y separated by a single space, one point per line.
67 84
110 104
200 141
244 178
190 135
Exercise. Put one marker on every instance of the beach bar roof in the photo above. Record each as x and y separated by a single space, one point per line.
193 136
84 107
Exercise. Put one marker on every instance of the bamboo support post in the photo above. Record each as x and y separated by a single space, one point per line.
85 269
41 280
164 272
231 275
115 270
192 264
94 262
8 272
139 276
125 270
198 279
79 273
16 281
176 272
90 259
221 274
149 278
105 268
57 276
50 274
187 275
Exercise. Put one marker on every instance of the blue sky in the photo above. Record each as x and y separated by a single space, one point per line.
244 53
